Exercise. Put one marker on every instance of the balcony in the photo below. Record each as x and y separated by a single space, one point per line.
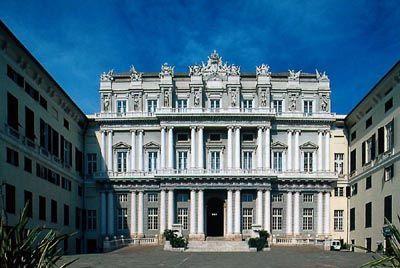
214 111
126 115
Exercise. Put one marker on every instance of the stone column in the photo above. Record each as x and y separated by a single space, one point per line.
267 211
200 213
237 212
319 150
296 216
327 153
229 218
163 148
327 213
133 214
110 229
260 148
140 151
103 219
259 207
110 151
296 150
237 148
289 156
289 213
140 214
192 212
192 147
171 149
103 150
319 213
171 212
133 150
200 148
267 148
229 148
162 212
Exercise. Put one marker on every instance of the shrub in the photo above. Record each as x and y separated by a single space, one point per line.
178 242
169 234
263 234
258 243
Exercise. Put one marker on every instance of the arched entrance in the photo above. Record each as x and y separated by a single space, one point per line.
215 217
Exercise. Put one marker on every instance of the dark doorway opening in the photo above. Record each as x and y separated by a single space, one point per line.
215 217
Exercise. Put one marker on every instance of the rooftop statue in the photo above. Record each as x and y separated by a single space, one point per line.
321 76
263 70
293 76
166 70
109 76
135 75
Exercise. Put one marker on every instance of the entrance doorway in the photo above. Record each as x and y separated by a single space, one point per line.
215 217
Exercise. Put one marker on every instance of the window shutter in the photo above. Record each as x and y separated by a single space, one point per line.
373 145
363 154
381 140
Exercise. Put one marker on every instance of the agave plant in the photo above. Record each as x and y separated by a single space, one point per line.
392 257
36 247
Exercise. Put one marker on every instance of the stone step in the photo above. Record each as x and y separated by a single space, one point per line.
218 246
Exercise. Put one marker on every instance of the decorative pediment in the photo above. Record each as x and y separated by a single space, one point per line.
121 145
151 145
309 146
278 145
109 76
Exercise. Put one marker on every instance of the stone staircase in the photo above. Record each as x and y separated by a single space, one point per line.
218 245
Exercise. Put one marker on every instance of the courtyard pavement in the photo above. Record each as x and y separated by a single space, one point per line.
151 256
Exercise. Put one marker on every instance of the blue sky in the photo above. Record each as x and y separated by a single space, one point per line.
355 42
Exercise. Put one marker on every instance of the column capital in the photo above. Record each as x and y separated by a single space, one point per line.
110 131
290 131
140 130
230 127
132 130
163 127
238 127
200 127
297 131
260 127
327 131
170 127
192 127
267 127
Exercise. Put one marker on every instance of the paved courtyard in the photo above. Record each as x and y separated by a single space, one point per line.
278 257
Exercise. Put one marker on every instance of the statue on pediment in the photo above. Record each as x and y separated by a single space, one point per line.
106 103
321 76
166 98
135 75
263 99
293 75
136 102
234 98
324 103
263 70
166 70
195 70
197 98
234 70
109 76
293 102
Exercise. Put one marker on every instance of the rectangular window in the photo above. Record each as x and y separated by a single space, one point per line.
10 198
42 208
152 197
53 204
214 104
277 104
151 106
368 183
12 157
368 122
43 102
354 189
353 135
353 158
91 163
181 104
28 199
78 213
308 198
247 218
247 105
182 197
121 106
389 136
389 173
308 161
339 191
339 163
247 197
277 161
78 161
122 198
122 219
215 137
368 215
308 107
247 160
14 76
183 217
277 198
152 161
66 123
12 113
66 215
30 126
352 219
388 104
152 218
91 220
388 208
215 161
31 92
121 161
182 137
338 220
277 219
182 160
381 140
308 218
